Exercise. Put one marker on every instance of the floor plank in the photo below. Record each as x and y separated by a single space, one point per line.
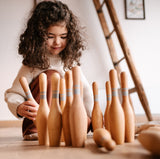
12 146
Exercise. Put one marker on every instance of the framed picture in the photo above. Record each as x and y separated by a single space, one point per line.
134 9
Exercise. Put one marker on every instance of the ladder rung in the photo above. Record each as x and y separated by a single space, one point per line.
100 8
112 13
132 90
116 63
108 36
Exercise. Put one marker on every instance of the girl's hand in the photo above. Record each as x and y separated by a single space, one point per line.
28 109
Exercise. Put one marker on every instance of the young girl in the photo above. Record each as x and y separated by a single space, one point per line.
51 42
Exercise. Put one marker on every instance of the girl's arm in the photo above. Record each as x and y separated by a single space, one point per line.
15 95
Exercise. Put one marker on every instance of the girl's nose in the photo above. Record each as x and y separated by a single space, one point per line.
57 40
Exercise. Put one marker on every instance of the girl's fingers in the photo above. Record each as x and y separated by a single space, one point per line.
32 109
31 104
31 118
30 115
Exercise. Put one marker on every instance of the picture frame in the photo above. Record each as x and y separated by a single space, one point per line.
134 9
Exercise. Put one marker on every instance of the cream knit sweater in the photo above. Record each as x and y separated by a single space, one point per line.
15 95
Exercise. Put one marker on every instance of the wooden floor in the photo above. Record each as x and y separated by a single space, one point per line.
12 146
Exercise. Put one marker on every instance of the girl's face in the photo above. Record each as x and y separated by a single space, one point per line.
57 39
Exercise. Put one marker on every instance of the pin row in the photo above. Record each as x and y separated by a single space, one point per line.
119 118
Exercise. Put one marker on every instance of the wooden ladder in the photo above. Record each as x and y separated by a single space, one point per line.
127 56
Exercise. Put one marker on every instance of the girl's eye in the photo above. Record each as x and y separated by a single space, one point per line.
50 37
64 37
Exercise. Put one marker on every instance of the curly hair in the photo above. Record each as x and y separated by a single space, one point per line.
32 44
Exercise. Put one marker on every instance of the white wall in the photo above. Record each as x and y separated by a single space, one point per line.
13 14
141 36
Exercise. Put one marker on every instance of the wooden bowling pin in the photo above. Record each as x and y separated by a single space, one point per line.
81 94
62 93
55 114
25 86
108 97
128 110
103 138
43 111
116 114
150 139
77 115
97 116
81 90
65 114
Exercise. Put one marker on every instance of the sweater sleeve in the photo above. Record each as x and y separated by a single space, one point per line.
15 95
87 95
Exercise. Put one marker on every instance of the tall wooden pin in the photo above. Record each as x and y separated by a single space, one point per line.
116 114
81 90
62 93
97 116
43 111
78 115
108 97
25 86
65 115
55 115
128 110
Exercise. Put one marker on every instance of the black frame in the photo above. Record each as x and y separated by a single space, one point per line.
137 14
